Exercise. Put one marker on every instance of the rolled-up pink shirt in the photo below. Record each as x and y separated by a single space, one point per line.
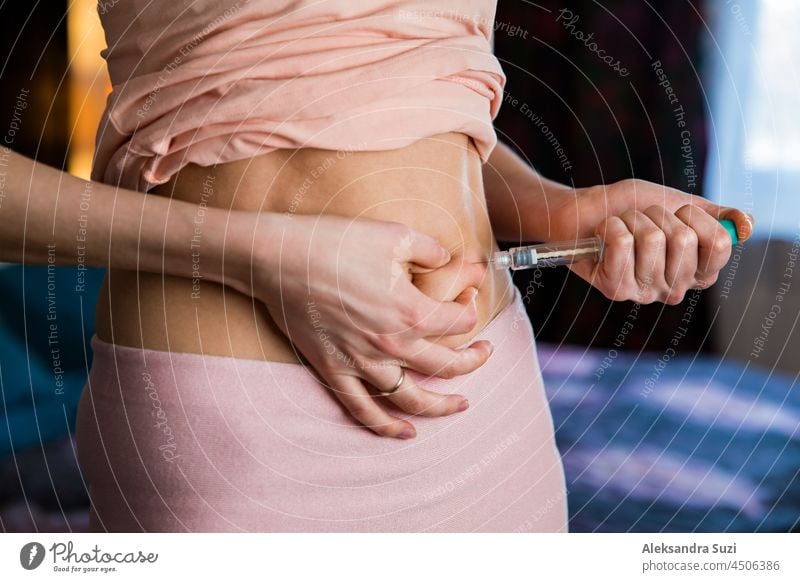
207 82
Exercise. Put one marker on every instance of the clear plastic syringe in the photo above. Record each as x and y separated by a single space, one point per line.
548 254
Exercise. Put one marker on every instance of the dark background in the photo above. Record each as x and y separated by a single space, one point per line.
610 128
33 55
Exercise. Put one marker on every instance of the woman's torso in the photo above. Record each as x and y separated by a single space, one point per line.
434 185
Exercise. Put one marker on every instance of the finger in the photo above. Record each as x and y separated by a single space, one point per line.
714 243
434 359
352 393
681 260
650 250
744 222
426 251
452 279
614 274
430 317
410 397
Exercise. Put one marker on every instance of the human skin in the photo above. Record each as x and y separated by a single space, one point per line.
50 217
340 242
659 242
46 215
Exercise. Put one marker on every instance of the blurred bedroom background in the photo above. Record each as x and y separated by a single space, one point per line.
681 418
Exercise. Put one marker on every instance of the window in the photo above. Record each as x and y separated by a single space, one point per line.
753 82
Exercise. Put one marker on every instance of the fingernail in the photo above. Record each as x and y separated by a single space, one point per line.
491 348
751 221
744 232
463 405
445 255
408 433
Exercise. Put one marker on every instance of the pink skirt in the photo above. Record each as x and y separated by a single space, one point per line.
175 442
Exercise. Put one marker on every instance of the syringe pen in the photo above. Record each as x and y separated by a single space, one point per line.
565 253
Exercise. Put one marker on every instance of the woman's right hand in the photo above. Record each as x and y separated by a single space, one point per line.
341 290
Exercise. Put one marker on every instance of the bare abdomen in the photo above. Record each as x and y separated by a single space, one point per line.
434 186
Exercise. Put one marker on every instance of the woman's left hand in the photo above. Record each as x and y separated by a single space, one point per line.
659 242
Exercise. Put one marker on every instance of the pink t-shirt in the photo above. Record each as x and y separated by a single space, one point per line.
210 81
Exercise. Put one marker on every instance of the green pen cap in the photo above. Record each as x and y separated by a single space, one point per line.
731 228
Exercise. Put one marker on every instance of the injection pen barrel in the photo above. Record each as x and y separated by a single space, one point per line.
550 254
566 253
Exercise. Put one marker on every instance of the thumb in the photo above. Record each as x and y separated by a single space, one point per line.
426 251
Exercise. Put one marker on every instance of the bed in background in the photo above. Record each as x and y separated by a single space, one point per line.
683 443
